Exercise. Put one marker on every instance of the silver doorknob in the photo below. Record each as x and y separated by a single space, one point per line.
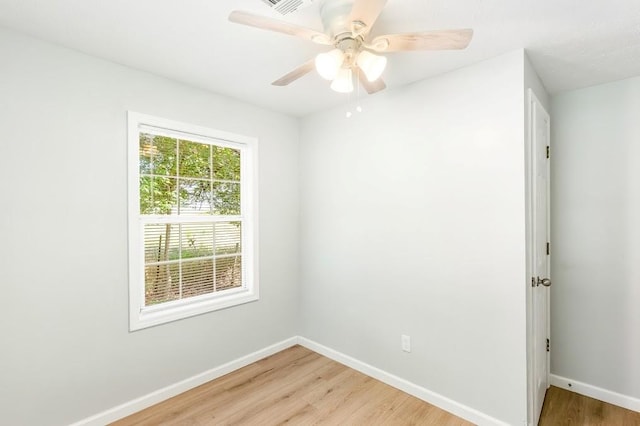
544 281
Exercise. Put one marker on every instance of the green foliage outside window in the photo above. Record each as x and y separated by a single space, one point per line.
181 177
188 176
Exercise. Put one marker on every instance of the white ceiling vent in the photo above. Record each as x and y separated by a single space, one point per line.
285 7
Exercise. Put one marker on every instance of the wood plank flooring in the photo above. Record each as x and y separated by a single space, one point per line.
564 408
300 387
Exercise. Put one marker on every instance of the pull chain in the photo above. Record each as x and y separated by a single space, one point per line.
358 108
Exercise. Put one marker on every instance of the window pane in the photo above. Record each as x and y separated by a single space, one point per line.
226 198
195 159
228 238
197 277
161 242
162 283
158 195
162 151
226 164
195 196
147 151
228 272
197 240
146 195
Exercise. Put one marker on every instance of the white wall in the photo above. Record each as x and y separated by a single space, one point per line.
413 222
66 352
595 263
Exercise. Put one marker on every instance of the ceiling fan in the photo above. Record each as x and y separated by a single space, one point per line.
347 24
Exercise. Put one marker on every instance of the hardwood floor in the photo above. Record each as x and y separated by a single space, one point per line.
563 408
300 387
295 386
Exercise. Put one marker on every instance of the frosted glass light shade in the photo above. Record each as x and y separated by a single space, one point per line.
328 64
372 65
343 82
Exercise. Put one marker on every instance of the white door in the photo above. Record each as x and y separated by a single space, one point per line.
541 280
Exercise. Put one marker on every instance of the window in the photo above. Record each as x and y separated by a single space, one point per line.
192 220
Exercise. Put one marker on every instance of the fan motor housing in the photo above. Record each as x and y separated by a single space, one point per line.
350 46
335 16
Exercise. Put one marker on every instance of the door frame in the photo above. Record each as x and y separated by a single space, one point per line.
532 103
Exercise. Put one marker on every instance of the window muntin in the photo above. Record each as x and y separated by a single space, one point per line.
194 226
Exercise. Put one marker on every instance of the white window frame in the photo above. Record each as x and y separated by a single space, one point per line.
141 316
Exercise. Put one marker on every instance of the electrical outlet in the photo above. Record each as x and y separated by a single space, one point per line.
406 343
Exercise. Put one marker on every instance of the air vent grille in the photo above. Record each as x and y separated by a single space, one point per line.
285 7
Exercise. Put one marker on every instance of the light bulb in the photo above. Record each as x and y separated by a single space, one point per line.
343 83
372 65
328 64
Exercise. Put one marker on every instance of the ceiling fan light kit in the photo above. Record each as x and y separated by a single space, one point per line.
372 65
343 83
334 64
347 24
328 64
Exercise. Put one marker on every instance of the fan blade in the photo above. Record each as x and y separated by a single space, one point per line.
295 74
367 12
428 40
269 24
370 86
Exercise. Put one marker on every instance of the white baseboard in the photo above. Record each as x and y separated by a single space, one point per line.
432 398
170 391
595 392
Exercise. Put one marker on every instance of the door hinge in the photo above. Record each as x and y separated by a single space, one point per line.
548 151
547 345
548 248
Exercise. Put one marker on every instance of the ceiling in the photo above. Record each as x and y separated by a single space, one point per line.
571 43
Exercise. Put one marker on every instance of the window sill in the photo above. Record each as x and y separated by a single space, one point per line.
161 314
